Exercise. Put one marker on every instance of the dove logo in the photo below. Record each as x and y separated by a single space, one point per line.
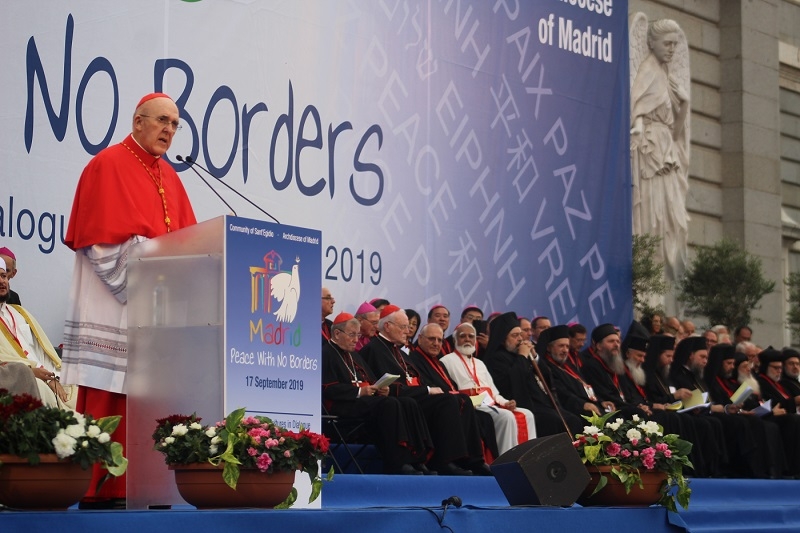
268 283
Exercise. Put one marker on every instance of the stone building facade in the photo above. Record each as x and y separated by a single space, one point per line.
744 176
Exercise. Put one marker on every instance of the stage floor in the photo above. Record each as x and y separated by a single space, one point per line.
411 503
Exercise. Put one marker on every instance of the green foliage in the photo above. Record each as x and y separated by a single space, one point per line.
239 441
647 276
633 446
793 316
724 283
28 429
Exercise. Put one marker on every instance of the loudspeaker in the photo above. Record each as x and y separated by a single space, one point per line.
543 471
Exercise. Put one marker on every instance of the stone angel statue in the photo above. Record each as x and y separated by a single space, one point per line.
660 88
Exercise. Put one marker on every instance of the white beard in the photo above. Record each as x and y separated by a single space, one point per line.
467 350
637 372
751 382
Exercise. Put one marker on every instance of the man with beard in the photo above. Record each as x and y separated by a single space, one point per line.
784 410
704 432
442 411
513 425
745 436
791 372
511 362
751 351
401 434
605 367
24 342
470 315
574 393
477 426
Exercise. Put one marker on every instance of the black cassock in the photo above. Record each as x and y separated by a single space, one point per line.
442 411
789 423
516 379
434 374
745 436
398 424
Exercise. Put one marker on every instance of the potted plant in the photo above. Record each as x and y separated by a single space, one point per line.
46 453
628 451
250 447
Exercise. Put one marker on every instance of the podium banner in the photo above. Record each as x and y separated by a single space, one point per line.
272 327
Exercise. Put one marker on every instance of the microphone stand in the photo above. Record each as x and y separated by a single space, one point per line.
182 160
189 160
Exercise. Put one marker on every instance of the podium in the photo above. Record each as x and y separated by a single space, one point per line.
209 325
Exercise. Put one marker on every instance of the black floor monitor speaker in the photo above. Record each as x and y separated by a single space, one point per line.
544 471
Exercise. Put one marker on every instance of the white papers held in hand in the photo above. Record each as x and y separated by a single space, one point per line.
386 380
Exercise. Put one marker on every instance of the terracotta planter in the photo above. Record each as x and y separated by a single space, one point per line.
52 484
202 485
613 494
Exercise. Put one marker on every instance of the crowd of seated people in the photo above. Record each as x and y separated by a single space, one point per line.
468 394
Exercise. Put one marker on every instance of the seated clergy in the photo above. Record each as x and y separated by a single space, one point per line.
513 364
24 341
442 411
399 427
513 425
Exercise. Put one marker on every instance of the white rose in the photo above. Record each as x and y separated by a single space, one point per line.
216 440
179 430
212 450
85 444
79 418
635 418
64 444
613 426
93 431
591 430
169 440
633 434
104 437
76 430
211 432
195 425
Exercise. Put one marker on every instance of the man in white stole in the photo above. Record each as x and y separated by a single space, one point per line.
472 377
23 341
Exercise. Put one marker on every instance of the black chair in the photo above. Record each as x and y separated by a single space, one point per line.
350 433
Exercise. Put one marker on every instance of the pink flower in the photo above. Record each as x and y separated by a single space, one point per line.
649 462
647 440
252 452
662 446
287 454
625 453
634 441
263 462
649 452
613 449
636 453
667 453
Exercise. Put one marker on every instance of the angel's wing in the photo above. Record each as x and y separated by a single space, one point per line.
637 42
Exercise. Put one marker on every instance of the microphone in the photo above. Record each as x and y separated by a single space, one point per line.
455 501
182 160
189 160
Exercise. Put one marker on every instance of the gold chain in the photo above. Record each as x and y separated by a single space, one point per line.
159 183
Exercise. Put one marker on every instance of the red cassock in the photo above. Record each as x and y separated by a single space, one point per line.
118 197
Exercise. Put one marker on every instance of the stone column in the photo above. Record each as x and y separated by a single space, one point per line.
751 183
